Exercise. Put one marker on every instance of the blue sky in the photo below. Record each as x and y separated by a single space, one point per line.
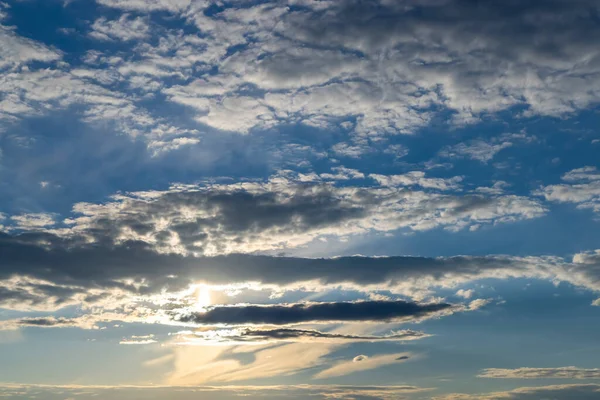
289 199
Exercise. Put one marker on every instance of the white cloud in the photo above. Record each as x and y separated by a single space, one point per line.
122 29
555 392
18 51
33 221
476 150
466 294
582 188
148 5
220 219
417 178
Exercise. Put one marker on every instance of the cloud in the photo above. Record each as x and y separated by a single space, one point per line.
582 188
368 61
257 336
466 294
122 29
362 363
283 212
18 51
147 5
376 67
368 311
556 392
139 340
417 178
43 271
157 392
476 150
47 322
33 221
541 373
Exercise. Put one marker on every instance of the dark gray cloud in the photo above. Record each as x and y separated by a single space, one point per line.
252 335
382 311
281 212
47 322
43 269
383 65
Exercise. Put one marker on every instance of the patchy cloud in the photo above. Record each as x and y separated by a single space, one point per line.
284 212
582 188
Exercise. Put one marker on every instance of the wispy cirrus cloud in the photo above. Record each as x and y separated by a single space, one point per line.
260 336
362 363
556 392
541 373
125 392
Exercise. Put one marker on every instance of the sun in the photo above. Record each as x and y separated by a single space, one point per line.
203 297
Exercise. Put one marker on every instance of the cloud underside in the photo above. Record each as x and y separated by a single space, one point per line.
382 67
382 311
260 336
41 270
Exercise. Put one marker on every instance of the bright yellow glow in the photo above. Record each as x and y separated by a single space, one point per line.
202 297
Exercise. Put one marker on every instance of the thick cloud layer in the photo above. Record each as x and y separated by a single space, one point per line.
285 211
370 311
46 271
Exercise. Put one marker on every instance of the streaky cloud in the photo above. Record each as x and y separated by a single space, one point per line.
381 311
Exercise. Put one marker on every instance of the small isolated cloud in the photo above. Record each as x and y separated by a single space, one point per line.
465 294
478 303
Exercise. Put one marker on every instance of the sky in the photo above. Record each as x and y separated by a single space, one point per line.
328 199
